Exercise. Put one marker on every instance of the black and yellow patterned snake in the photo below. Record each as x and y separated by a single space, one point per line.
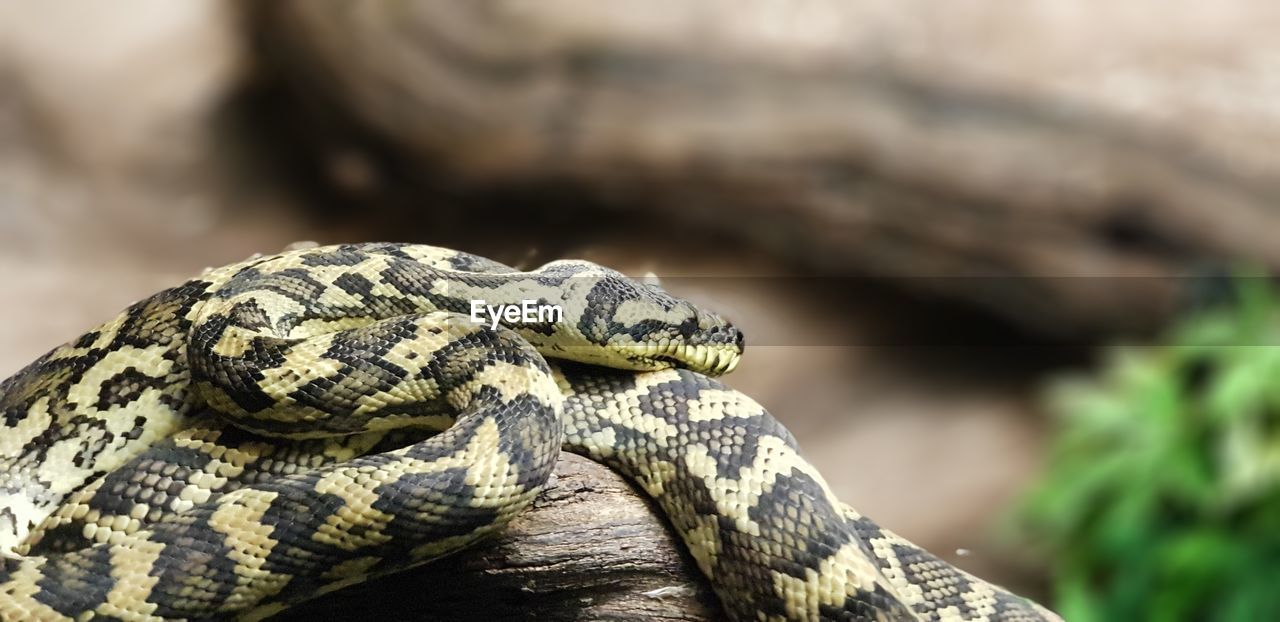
295 423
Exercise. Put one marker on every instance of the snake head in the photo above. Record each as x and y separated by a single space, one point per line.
623 323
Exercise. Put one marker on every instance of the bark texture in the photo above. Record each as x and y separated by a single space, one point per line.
1018 179
590 548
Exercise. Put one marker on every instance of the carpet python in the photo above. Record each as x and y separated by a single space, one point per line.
300 422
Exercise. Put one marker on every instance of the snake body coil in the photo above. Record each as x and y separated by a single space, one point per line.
300 422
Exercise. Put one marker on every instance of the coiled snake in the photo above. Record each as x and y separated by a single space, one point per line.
299 422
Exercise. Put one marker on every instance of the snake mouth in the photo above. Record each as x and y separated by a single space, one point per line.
712 360
713 351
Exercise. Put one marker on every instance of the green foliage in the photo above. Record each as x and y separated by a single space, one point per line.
1161 500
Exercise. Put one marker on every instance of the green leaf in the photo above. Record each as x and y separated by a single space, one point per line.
1161 496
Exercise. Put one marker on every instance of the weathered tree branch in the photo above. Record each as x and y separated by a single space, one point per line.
1060 214
591 548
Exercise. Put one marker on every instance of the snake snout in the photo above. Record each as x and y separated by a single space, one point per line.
725 336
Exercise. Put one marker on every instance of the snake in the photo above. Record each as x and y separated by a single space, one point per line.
299 422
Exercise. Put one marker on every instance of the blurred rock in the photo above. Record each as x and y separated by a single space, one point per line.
114 144
115 171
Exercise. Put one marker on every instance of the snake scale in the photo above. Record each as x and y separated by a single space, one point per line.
295 423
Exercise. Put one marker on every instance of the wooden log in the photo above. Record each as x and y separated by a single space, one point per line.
1063 213
590 548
